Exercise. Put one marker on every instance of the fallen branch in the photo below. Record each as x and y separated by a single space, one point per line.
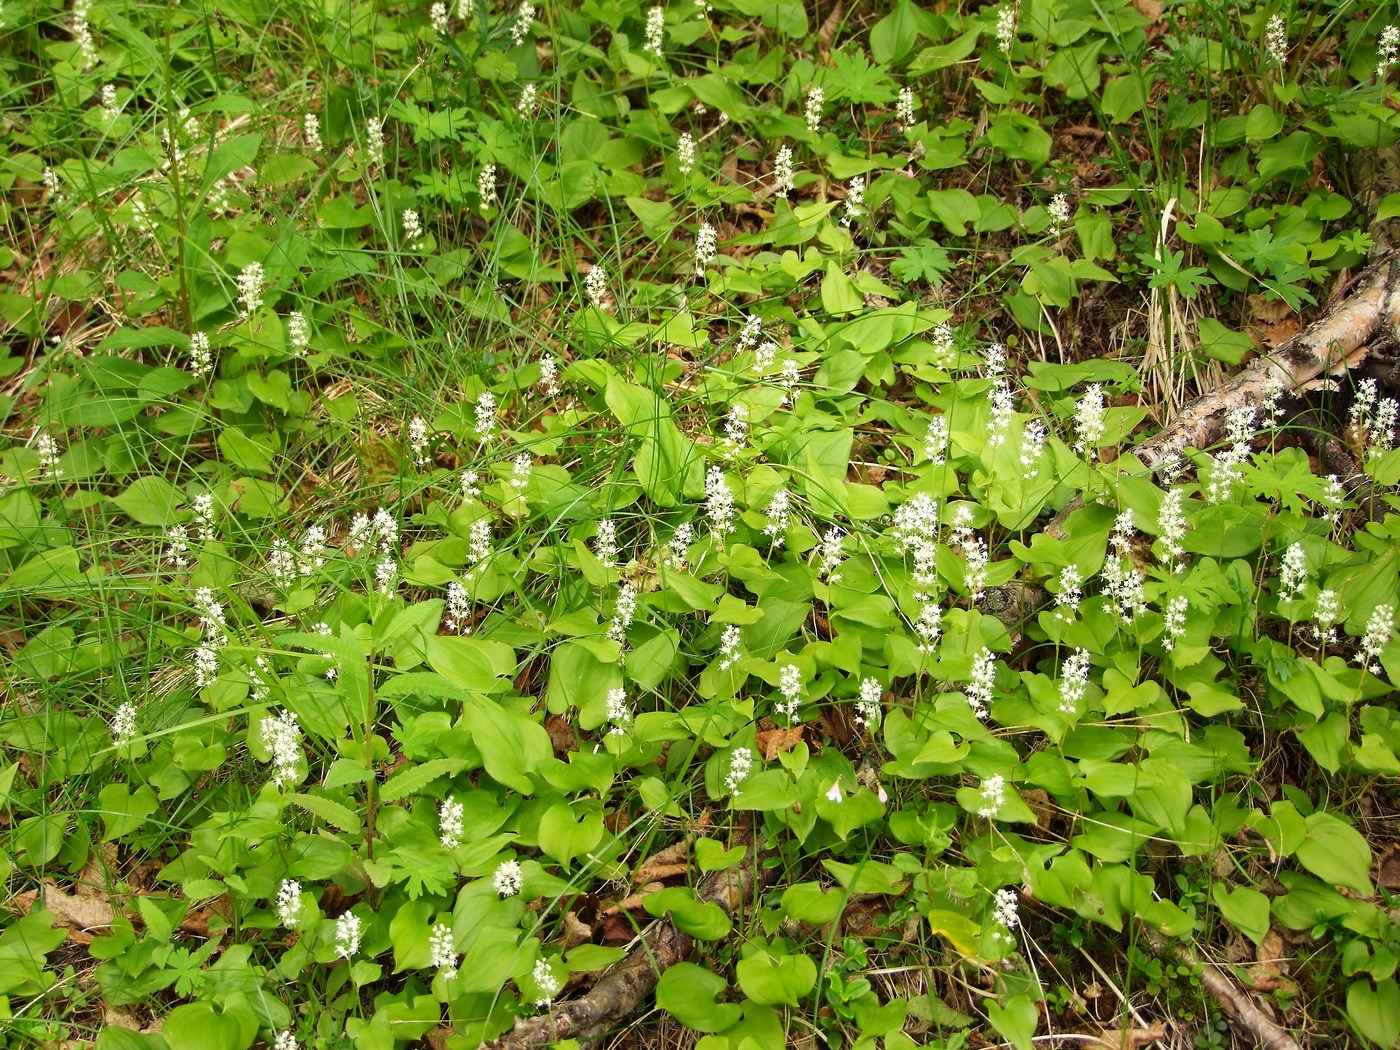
624 988
1251 1022
1334 342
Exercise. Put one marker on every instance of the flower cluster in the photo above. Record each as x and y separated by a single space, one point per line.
1074 681
982 685
1122 579
508 878
790 690
623 612
450 829
816 98
740 765
281 735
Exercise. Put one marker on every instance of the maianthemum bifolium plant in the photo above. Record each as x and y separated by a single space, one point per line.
456 455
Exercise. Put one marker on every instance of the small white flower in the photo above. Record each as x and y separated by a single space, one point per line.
833 793
605 543
1070 592
736 428
678 547
942 350
486 187
719 503
790 686
1387 50
993 796
48 451
1327 610
386 575
982 685
831 556
437 17
1074 681
549 376
656 28
458 608
595 285
1174 621
450 830
110 109
204 517
288 902
1005 913
936 441
250 287
1089 421
418 440
311 132
1033 436
816 98
529 99
444 952
867 714
623 612
374 141
547 983
1059 212
788 379
729 642
1293 573
412 230
783 174
1002 405
619 714
778 511
904 108
524 18
123 725
298 332
855 197
508 878
485 417
285 1040
281 735
347 935
705 248
521 467
1006 27
1171 520
1276 40
740 763
177 546
1379 628
470 484
54 185
201 357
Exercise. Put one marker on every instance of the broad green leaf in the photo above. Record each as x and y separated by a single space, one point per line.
776 980
1374 1010
688 992
1336 852
199 1026
151 501
511 744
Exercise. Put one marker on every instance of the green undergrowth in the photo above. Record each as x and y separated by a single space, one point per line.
470 476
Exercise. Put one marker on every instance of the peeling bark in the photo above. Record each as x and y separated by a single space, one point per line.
1333 343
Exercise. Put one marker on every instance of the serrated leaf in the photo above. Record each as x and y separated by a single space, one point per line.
415 778
332 812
